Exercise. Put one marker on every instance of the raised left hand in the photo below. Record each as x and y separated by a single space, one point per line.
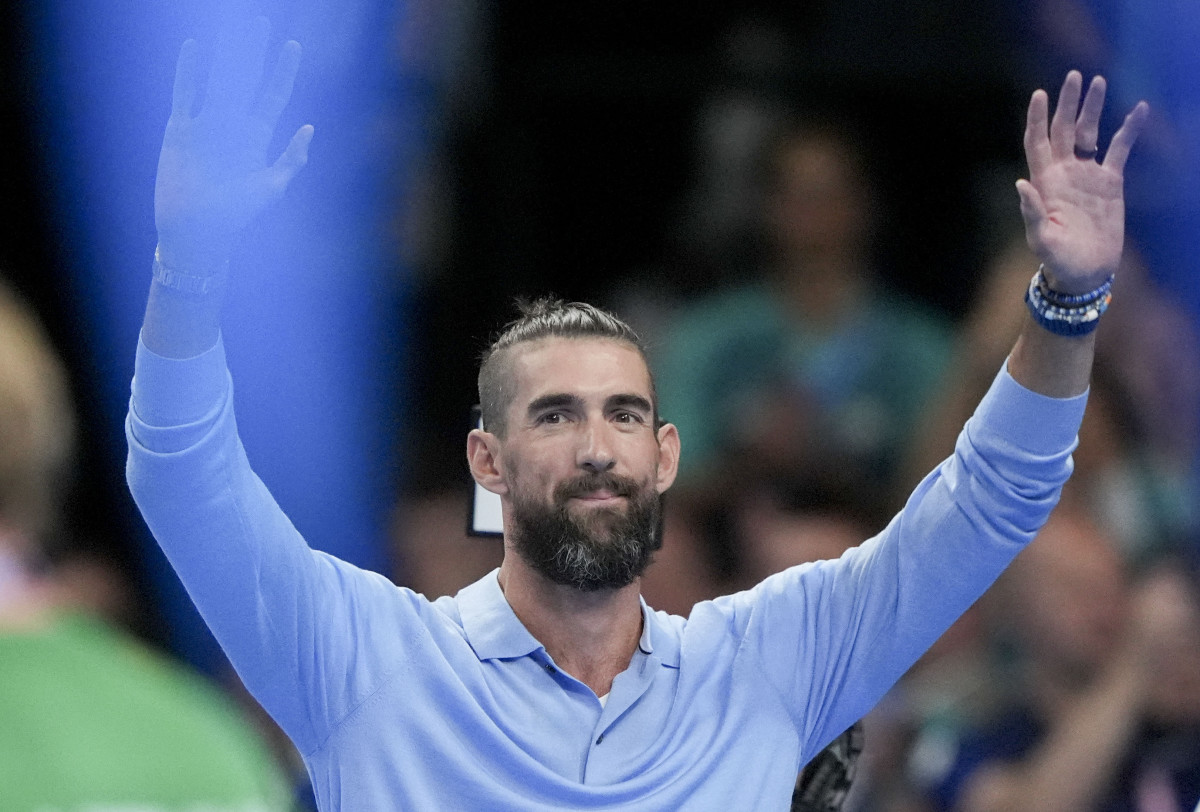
1073 205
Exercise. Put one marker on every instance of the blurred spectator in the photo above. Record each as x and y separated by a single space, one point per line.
1132 479
1134 468
89 717
795 392
1103 710
817 338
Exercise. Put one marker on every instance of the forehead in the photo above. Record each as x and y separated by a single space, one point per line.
587 367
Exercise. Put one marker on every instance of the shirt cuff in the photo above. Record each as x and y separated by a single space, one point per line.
174 392
1031 421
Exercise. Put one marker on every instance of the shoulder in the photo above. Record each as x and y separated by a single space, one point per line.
915 324
789 589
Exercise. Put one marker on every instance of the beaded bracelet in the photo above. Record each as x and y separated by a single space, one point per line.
188 283
1067 314
1066 299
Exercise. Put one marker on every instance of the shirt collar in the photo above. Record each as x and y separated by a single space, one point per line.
495 633
493 629
657 630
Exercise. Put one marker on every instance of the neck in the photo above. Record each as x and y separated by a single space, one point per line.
590 635
25 600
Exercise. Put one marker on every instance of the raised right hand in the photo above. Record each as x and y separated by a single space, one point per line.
213 176
1074 206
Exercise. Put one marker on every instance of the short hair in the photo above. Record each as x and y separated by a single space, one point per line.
37 424
546 317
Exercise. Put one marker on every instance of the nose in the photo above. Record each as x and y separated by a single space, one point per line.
596 453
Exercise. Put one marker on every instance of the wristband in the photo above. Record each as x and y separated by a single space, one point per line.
188 283
1067 314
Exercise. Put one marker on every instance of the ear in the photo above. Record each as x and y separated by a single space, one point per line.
483 448
668 456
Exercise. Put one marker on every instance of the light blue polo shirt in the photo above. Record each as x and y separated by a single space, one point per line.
397 702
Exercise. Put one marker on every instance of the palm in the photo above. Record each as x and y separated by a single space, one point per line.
207 178
213 178
1073 206
1085 215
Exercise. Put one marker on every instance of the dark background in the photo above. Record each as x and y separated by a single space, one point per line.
566 149
571 168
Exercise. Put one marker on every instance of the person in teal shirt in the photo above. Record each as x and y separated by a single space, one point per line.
813 370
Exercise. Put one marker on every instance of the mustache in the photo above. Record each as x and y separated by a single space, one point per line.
590 483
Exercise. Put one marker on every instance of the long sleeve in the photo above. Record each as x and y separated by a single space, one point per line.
288 617
865 618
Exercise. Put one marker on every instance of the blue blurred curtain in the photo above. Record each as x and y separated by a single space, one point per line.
314 321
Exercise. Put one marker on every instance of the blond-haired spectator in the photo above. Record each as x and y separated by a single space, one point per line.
89 717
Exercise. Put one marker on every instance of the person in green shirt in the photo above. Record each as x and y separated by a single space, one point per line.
91 719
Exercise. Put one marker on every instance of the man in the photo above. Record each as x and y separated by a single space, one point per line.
549 684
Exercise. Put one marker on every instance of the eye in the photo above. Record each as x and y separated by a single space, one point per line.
551 418
628 418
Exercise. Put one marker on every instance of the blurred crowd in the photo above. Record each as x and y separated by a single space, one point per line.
812 393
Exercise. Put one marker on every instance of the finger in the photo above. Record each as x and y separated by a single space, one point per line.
1033 212
1087 128
278 89
1037 144
291 161
1123 141
1062 126
237 65
187 79
1033 209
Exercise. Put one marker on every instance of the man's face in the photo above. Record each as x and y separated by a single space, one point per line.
583 466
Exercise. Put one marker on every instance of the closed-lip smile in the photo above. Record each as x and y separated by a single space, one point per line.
598 496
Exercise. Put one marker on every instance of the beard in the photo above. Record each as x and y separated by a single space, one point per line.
603 549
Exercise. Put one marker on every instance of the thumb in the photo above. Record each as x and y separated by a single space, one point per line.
1033 210
289 164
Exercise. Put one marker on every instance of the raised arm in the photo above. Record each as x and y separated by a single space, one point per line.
213 179
1074 211
256 582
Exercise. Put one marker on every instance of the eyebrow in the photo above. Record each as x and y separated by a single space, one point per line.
634 402
566 400
553 401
